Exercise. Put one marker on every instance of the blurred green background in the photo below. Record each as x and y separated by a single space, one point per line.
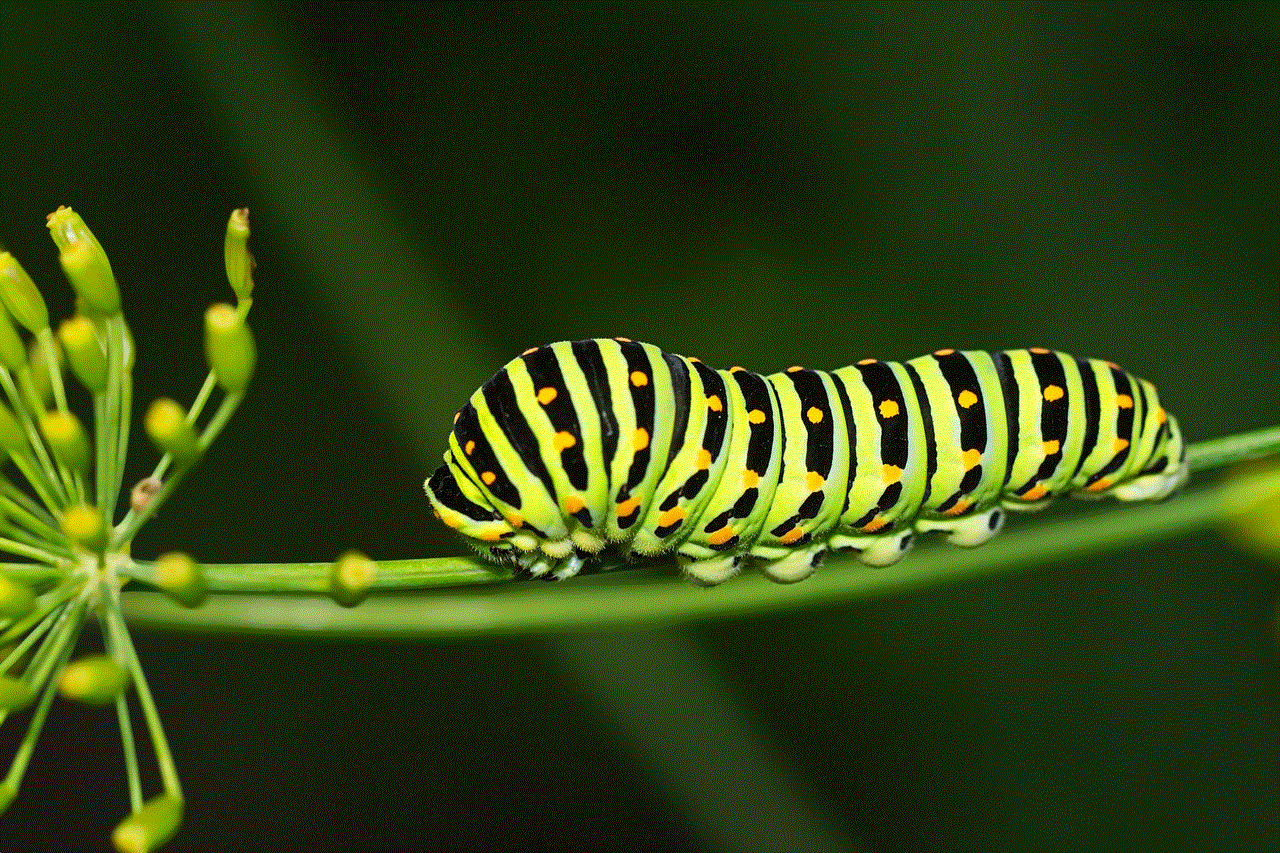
435 188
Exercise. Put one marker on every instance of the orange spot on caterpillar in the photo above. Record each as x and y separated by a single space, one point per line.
795 368
723 535
1124 401
488 477
1039 350
888 408
471 446
563 440
891 474
627 507
867 361
1034 493
1161 416
572 504
736 369
515 520
960 507
873 525
814 415
704 459
1052 446
639 378
944 352
750 479
640 439
756 416
791 535
714 404
1120 444
489 535
1101 485
546 395
972 458
530 351
451 520
624 340
1053 392
814 481
456 415
966 398
671 516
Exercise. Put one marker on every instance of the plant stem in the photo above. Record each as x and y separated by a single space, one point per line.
126 726
65 642
1230 449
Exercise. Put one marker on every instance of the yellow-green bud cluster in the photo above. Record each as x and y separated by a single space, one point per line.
84 352
94 680
182 578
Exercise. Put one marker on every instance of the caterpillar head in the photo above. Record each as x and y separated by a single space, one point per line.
481 524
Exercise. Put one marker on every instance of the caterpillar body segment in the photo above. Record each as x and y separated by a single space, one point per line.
576 447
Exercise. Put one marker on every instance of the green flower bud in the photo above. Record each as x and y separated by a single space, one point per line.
66 438
93 679
182 578
16 599
240 263
20 295
229 346
88 362
166 424
351 578
13 438
15 694
90 274
13 352
150 826
85 526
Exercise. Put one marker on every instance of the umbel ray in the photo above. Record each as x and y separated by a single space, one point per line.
576 447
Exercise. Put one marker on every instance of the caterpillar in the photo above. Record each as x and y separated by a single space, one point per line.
581 445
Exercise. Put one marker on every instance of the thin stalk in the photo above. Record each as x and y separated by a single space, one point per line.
44 339
21 534
38 483
49 481
115 623
133 521
126 726
121 384
35 574
66 643
22 549
20 508
101 462
1241 447
110 436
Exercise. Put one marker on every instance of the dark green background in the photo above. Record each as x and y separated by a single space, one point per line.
436 188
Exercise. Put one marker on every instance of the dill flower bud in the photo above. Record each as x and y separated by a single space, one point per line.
15 694
16 599
150 826
93 680
239 261
67 439
182 578
85 526
21 296
228 343
84 262
88 362
351 578
166 424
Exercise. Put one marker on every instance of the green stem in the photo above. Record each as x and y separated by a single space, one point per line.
66 642
425 573
20 504
1230 449
22 549
126 726
34 574
43 479
57 546
43 614
44 339
120 636
24 464
121 423
101 462
132 521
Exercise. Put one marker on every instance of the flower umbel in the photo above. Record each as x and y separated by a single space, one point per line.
58 514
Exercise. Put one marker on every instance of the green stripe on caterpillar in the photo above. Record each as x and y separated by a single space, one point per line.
579 446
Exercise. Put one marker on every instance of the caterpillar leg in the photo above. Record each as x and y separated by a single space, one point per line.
710 572
796 565
968 532
875 550
537 565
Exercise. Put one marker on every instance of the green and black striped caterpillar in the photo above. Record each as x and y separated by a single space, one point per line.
576 446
